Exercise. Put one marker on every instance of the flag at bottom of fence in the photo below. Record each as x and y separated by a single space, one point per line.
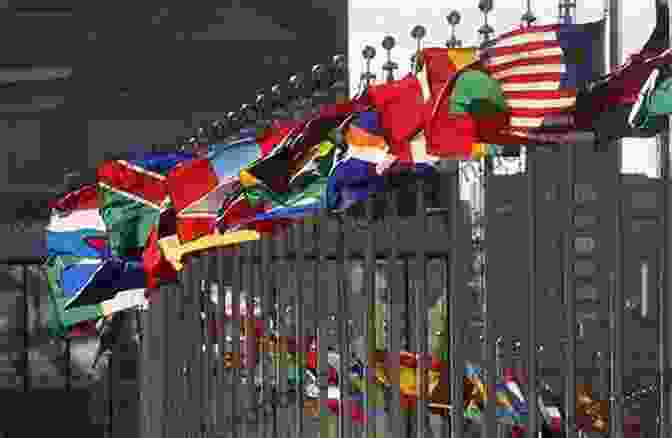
62 319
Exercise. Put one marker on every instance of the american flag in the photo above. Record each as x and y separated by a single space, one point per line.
541 69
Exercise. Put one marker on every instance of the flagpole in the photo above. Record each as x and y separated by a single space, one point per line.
530 169
664 302
456 363
616 277
489 424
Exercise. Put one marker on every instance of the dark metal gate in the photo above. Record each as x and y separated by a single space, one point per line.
304 282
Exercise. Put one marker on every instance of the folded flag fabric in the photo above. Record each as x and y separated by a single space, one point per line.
241 208
654 102
541 69
200 187
158 270
63 318
360 172
132 194
441 64
76 227
622 85
174 251
92 281
275 172
475 103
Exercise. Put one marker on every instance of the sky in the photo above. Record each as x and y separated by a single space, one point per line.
371 20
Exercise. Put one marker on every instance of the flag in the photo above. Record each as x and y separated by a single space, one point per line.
198 188
475 100
174 251
133 193
62 319
440 65
76 227
541 70
275 172
91 281
238 210
359 172
653 104
605 105
158 269
410 116
306 192
403 112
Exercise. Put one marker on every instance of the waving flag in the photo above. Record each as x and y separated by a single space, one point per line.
76 227
133 193
541 69
275 173
607 103
199 188
653 104
359 173
158 269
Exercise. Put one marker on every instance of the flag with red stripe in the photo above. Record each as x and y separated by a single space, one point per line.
541 69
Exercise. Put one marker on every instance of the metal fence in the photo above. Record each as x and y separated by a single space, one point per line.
409 247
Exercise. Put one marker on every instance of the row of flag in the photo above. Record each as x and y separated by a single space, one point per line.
113 242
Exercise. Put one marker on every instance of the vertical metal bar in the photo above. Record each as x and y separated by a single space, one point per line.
171 367
112 380
250 339
267 307
488 345
410 324
282 414
320 316
181 369
616 405
570 298
26 332
300 333
235 335
370 326
455 320
394 315
221 375
499 355
531 168
421 291
189 345
207 322
68 365
200 347
345 424
616 401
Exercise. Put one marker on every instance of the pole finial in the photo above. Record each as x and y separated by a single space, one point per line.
368 54
454 19
417 33
528 17
389 66
486 30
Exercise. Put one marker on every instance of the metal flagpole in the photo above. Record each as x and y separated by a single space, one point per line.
664 301
530 167
616 284
488 342
566 9
456 364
